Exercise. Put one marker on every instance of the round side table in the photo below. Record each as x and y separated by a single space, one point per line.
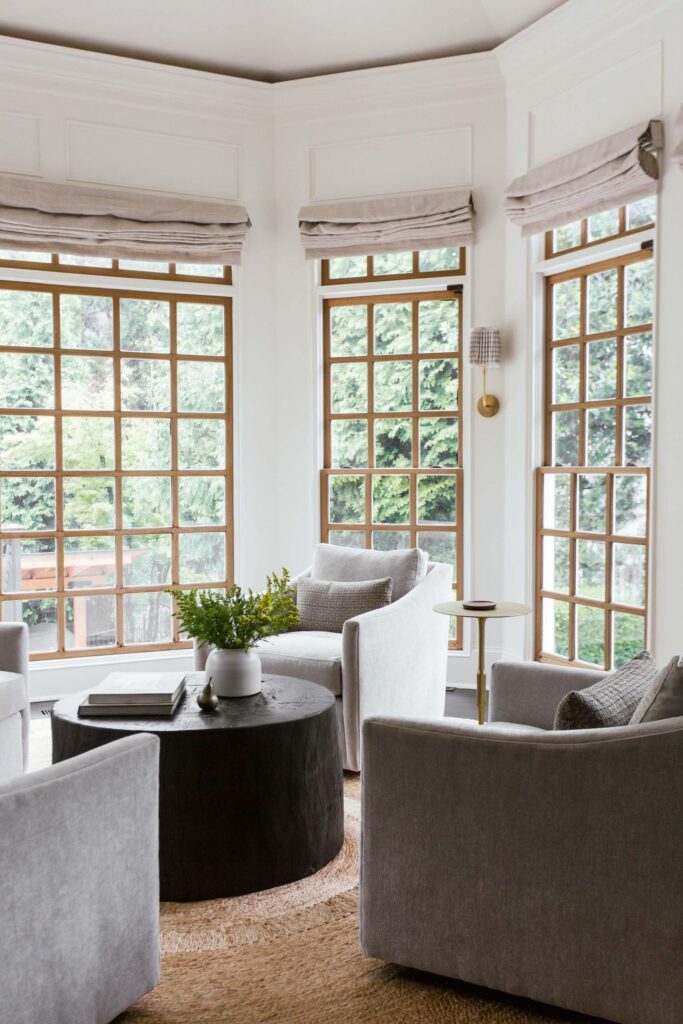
505 610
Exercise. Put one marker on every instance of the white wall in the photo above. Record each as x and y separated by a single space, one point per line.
590 68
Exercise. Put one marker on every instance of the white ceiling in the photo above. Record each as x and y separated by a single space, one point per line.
273 40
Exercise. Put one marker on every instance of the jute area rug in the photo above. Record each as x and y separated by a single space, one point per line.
292 956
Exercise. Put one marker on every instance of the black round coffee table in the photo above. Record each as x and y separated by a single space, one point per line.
249 797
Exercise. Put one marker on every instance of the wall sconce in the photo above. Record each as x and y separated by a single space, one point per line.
485 352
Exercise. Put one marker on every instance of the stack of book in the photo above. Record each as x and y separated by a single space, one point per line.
134 693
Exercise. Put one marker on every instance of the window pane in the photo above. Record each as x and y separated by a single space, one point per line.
639 293
565 438
566 374
393 263
603 225
146 501
88 503
393 328
630 505
27 503
390 499
439 545
89 562
638 365
201 501
593 503
601 367
637 434
201 386
146 266
438 326
567 237
348 266
349 443
590 576
349 330
628 635
25 318
390 540
201 329
640 213
200 269
146 385
393 386
145 325
27 442
87 442
567 309
28 565
349 387
202 557
146 559
90 622
601 427
40 615
86 321
26 381
84 261
602 301
438 384
393 443
145 443
556 628
347 499
556 564
629 574
590 629
439 259
87 382
347 538
147 618
439 442
23 256
556 501
436 499
201 444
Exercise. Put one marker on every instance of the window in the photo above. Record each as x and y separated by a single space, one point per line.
392 474
593 490
210 272
115 461
609 225
395 266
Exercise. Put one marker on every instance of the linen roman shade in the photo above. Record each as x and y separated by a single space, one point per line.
356 227
615 171
678 151
83 220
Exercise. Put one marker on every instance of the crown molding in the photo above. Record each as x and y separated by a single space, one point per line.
577 27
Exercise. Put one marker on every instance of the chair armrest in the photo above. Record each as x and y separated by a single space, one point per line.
394 659
528 693
85 834
14 658
508 860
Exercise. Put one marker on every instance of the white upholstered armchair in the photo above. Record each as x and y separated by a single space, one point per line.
15 712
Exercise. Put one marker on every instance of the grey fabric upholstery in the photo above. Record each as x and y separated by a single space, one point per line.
326 604
14 699
315 655
527 692
79 886
405 566
664 696
609 702
545 864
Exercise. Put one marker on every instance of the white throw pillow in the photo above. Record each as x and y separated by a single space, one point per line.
405 567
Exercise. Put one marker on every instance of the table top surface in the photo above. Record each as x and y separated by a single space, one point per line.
282 699
503 610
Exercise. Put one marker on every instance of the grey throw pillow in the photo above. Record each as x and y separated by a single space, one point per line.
326 605
610 701
664 696
405 566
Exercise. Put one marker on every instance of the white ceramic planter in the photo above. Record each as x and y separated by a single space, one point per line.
234 673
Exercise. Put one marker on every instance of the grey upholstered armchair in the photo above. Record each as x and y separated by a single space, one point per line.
544 864
79 886
14 704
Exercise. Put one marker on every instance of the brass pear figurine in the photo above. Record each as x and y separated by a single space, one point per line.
207 699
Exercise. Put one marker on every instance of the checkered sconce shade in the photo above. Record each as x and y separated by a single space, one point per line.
485 346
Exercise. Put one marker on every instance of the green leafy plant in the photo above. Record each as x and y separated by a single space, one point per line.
238 619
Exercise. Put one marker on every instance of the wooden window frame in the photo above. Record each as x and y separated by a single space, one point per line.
175 530
413 472
586 243
116 271
619 402
414 274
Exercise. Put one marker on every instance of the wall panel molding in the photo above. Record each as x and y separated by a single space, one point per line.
19 142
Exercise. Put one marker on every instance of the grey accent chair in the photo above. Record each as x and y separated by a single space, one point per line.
79 886
543 864
15 713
